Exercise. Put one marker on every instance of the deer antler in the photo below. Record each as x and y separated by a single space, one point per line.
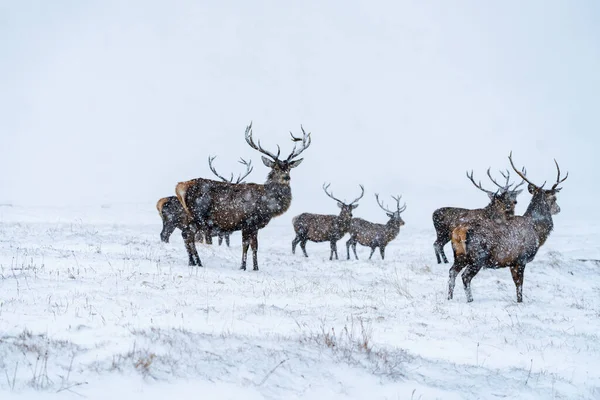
330 194
214 171
362 193
558 180
305 139
522 174
506 176
478 186
249 169
400 209
240 177
384 208
258 147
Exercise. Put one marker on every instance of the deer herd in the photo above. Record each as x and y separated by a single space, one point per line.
489 237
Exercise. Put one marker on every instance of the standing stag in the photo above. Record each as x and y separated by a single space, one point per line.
512 243
174 216
247 207
324 228
502 205
376 235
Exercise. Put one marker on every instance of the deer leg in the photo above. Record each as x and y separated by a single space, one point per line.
295 243
454 271
227 239
220 238
517 272
382 252
245 244
467 276
438 247
348 247
303 246
254 245
372 251
333 246
166 232
354 249
190 246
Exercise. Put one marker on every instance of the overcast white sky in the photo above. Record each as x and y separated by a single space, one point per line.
116 101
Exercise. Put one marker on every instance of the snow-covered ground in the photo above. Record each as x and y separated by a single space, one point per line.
93 304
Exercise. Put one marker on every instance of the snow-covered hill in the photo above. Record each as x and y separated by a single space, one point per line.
93 304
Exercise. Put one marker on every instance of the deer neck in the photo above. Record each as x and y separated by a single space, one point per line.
493 212
541 218
343 222
393 227
278 197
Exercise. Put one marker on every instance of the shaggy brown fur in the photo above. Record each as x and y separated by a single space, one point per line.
512 243
247 207
502 206
324 228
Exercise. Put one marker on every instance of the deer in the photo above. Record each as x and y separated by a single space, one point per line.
508 244
374 235
246 207
324 228
502 205
174 216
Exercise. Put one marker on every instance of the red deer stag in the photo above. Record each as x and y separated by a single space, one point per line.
512 243
246 206
502 205
376 235
174 216
324 228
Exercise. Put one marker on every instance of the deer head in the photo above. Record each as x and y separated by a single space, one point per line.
393 215
543 197
280 169
346 208
504 198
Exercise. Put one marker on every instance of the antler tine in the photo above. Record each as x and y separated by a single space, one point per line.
306 140
397 198
362 188
381 204
507 177
521 174
558 180
503 188
478 186
325 187
214 171
258 147
249 169
522 181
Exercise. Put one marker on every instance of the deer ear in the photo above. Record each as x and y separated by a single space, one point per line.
531 188
354 206
295 163
491 195
267 162
517 192
390 215
340 205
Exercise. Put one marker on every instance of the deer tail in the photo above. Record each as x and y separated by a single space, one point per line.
459 240
160 204
180 191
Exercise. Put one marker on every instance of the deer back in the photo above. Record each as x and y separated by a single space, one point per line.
367 233
320 228
230 207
